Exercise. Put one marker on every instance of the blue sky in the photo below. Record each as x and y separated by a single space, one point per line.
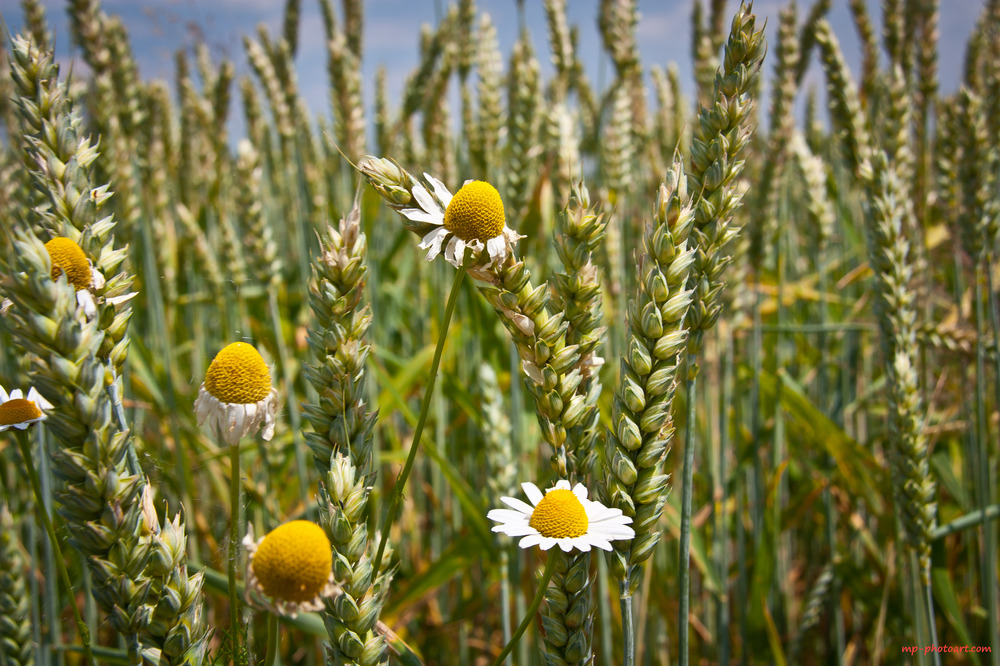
392 30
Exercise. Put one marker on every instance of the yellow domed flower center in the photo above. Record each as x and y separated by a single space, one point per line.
294 561
67 257
238 375
560 514
475 212
18 410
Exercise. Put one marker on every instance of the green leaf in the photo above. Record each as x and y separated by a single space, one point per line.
857 470
944 595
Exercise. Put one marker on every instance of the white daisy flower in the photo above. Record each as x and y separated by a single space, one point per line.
290 570
471 219
562 517
69 258
237 398
17 411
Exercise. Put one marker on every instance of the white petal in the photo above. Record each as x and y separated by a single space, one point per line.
532 491
517 504
3 395
432 242
580 491
598 542
513 530
455 251
547 542
85 300
566 545
497 249
612 533
426 201
530 540
561 484
507 516
16 395
21 426
36 397
97 279
511 235
418 215
581 543
4 427
440 191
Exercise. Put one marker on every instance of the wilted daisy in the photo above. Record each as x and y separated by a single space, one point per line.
19 412
289 571
237 398
561 516
69 259
471 219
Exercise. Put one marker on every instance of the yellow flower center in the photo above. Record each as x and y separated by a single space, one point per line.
238 375
67 257
560 514
475 212
294 561
18 410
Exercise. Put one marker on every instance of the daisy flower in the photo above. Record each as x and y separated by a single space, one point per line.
69 259
237 398
19 412
471 219
561 516
289 571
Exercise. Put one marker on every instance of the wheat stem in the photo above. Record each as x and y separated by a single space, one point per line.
687 483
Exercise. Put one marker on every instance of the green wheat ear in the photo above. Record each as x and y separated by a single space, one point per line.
16 641
139 571
341 441
641 423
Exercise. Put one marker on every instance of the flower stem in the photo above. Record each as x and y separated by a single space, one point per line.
686 491
543 584
81 626
628 626
234 526
397 490
273 638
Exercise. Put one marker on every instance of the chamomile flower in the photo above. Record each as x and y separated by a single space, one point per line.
18 411
237 398
563 517
289 571
471 219
69 259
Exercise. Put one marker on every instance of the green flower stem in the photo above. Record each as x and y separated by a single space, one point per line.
81 626
273 638
234 526
397 490
628 625
505 601
687 483
543 584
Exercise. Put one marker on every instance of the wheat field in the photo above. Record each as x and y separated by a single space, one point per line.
508 367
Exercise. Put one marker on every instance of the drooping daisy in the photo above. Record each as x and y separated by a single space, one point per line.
69 259
561 516
237 398
17 411
289 571
473 219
